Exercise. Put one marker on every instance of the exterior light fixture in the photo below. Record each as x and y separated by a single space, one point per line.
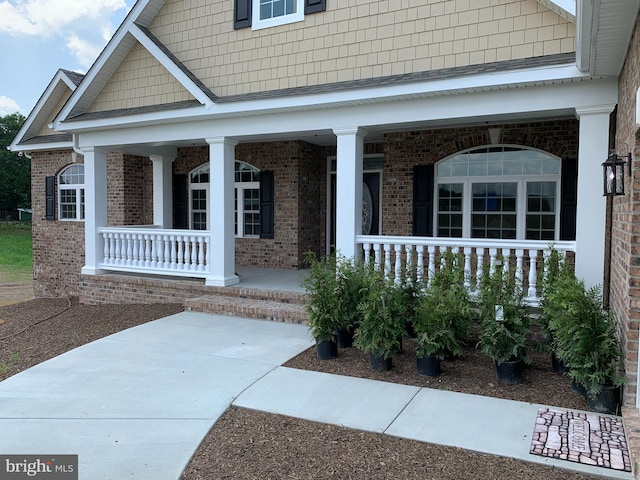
613 174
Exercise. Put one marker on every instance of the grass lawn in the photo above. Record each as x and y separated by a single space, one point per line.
16 259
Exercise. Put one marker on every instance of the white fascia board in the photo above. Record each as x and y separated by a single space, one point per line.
167 63
102 59
40 105
381 94
532 102
37 147
586 26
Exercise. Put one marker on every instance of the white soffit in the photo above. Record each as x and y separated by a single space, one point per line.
604 31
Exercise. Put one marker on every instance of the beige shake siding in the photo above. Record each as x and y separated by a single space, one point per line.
139 81
351 40
45 130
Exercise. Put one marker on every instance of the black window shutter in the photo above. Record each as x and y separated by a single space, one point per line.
180 200
50 198
314 6
423 200
568 198
266 204
241 14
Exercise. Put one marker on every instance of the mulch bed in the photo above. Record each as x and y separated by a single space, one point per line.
245 444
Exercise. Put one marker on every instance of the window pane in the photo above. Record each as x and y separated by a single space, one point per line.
68 204
492 210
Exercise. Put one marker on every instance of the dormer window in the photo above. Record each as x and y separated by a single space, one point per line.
259 14
269 13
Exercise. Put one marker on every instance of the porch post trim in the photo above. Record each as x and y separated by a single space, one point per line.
95 198
350 153
591 205
162 190
220 206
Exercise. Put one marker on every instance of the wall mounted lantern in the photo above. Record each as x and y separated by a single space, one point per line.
613 173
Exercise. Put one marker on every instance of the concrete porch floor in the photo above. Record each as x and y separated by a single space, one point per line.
270 279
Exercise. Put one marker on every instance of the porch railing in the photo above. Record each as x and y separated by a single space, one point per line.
418 258
149 249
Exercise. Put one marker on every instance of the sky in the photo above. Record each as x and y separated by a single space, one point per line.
37 37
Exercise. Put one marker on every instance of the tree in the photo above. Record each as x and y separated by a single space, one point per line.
15 170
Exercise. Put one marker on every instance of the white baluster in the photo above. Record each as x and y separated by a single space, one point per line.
420 265
506 260
129 243
201 254
387 260
408 266
467 267
479 266
397 270
167 252
207 254
187 253
136 250
194 254
432 263
366 246
377 255
118 251
173 249
492 260
105 252
180 239
147 251
519 273
533 259
154 251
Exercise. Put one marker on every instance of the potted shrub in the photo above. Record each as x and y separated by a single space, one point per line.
504 324
352 288
324 306
557 285
442 316
585 339
382 326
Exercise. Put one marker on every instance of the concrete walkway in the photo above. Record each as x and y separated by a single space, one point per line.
138 403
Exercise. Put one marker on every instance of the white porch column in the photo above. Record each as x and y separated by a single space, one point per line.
95 201
591 206
222 253
350 151
162 191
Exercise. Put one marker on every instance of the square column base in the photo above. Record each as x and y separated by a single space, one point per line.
222 282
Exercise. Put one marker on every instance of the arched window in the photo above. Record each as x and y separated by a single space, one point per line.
71 193
505 192
247 199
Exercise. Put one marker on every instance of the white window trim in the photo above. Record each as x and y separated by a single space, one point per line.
240 187
79 189
257 23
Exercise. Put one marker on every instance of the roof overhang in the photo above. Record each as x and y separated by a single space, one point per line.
603 32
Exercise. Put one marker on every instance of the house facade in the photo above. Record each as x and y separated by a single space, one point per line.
215 134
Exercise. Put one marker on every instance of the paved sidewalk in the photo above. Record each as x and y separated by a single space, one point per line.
137 404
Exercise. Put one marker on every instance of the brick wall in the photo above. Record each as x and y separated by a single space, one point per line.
58 246
625 224
129 190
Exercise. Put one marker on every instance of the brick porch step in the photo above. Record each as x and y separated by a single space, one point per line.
274 310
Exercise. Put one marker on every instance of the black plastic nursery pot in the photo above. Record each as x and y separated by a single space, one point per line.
607 401
557 365
578 388
510 372
344 338
326 349
377 363
428 366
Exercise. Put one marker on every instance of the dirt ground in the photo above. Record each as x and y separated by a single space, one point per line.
248 445
15 290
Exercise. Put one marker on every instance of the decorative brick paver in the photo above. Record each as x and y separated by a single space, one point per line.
580 437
